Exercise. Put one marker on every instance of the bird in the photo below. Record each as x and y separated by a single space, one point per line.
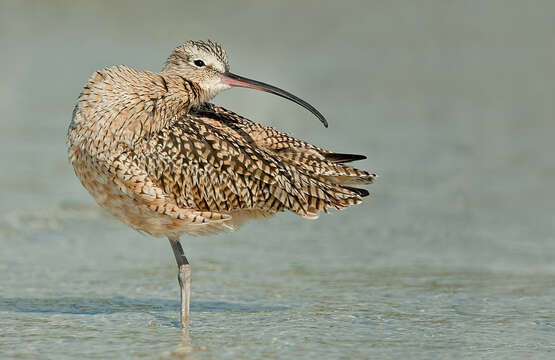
155 153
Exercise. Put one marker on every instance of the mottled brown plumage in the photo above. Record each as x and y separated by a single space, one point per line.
153 152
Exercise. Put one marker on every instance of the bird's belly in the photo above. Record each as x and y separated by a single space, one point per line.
122 206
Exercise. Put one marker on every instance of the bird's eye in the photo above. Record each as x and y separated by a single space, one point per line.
199 63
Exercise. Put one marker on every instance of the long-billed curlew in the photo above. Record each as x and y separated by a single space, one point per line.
155 154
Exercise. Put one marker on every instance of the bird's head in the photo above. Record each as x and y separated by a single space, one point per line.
205 63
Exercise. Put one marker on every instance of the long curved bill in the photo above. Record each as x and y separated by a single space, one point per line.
239 81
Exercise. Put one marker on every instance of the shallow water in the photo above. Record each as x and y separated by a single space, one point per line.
452 257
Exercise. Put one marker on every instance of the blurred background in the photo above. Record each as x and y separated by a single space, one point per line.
452 256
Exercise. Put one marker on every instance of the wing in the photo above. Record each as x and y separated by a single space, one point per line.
212 160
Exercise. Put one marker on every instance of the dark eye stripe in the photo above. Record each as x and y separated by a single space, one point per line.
199 63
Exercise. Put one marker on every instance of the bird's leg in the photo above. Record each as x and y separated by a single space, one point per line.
184 278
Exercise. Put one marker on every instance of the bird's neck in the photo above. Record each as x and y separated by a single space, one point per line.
178 97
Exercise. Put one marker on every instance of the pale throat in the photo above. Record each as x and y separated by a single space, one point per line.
213 89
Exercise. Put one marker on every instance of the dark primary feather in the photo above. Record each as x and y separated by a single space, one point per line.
339 158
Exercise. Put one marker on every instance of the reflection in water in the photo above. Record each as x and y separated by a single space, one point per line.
185 349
